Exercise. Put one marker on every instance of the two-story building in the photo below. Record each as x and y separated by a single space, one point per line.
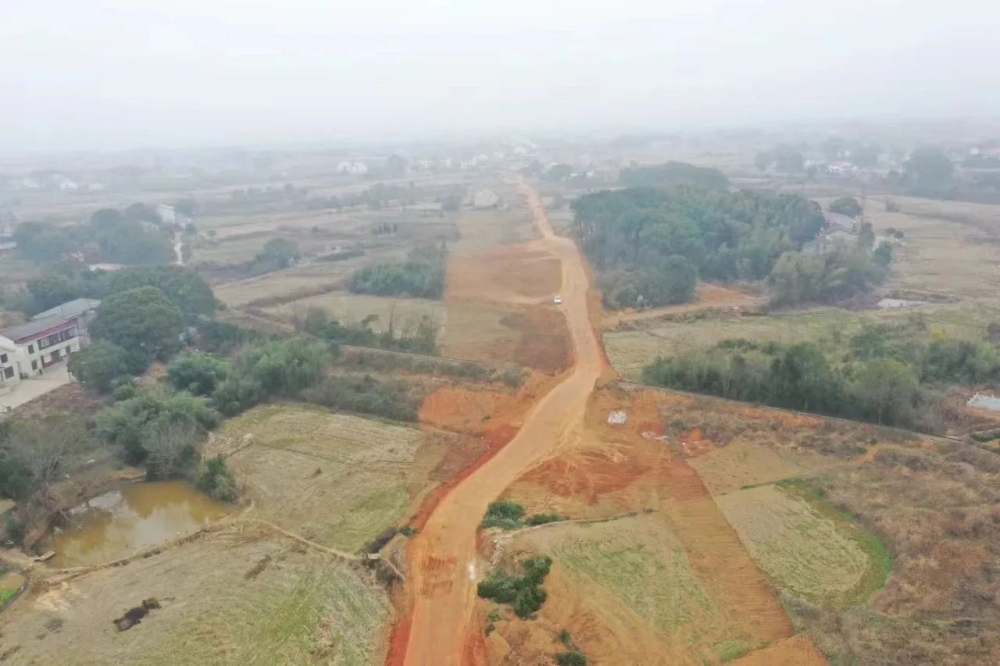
27 349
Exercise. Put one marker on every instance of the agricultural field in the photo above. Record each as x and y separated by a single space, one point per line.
335 479
239 595
806 547
404 314
640 564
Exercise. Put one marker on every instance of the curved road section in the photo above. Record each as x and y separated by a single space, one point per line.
443 554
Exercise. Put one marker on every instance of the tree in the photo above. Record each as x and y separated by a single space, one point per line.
395 166
186 207
171 448
802 379
141 321
834 147
133 424
183 287
197 373
217 480
788 159
52 288
866 236
672 174
42 242
886 390
280 252
98 366
929 171
763 161
846 206
34 454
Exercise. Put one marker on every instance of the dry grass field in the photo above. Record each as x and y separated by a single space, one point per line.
404 313
335 479
239 596
638 571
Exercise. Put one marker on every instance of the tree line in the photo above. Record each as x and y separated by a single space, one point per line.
888 374
653 244
135 235
672 174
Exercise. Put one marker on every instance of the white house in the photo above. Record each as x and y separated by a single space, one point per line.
353 168
40 343
166 213
27 349
842 168
485 199
9 375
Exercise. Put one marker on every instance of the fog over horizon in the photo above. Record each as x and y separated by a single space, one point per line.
117 74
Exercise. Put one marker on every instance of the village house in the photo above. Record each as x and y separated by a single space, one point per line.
51 336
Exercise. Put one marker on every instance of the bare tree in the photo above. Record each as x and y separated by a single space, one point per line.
173 449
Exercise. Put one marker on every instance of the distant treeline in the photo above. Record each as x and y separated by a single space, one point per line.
135 235
654 243
888 374
69 280
672 174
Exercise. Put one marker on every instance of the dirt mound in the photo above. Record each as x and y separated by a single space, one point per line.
589 475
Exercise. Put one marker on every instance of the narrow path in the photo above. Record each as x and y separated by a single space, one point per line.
443 554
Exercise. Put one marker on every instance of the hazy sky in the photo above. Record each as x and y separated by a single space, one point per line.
127 73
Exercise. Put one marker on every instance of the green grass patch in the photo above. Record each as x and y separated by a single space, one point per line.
879 556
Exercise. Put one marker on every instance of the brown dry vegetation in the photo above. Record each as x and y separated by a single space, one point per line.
236 596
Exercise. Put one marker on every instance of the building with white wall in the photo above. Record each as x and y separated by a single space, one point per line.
27 349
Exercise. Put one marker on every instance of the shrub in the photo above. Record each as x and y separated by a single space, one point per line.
528 601
392 399
571 658
197 373
217 480
523 592
543 518
504 514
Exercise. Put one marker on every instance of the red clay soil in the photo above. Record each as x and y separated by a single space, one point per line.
495 440
588 475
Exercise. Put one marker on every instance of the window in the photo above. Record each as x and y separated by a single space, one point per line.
3 358
31 349
8 373
34 365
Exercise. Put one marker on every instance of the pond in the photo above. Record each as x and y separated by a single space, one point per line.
121 522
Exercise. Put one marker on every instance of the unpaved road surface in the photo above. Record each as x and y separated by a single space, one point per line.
443 554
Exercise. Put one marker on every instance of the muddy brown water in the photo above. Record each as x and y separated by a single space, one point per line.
122 522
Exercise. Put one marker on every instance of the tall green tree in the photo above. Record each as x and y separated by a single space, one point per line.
100 365
929 171
141 321
846 206
886 390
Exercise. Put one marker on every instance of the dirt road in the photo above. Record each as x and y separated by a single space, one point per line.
443 554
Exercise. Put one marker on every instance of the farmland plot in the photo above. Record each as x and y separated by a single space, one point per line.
335 479
806 548
240 596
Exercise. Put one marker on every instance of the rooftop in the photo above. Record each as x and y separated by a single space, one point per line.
31 328
70 309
